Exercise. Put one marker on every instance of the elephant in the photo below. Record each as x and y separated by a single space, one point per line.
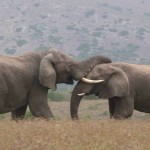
26 79
126 86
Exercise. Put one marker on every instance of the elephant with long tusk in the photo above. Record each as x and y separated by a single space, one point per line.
126 86
90 82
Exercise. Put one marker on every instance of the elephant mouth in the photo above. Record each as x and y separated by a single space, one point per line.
69 81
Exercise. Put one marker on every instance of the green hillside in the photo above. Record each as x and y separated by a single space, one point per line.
118 29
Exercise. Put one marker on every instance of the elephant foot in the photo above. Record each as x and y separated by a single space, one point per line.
118 117
75 117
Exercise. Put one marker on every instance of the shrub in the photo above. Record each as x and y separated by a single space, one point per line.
55 39
147 14
72 27
123 33
141 31
21 42
36 5
97 34
131 46
91 97
89 13
18 29
10 50
1 37
59 95
43 16
84 47
42 48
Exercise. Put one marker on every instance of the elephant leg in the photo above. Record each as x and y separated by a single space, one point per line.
124 108
19 113
111 107
38 103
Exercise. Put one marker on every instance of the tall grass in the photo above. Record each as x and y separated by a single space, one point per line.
75 135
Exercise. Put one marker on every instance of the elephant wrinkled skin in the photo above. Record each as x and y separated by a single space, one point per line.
25 80
126 86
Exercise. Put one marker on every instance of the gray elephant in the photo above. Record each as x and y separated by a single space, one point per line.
126 86
25 80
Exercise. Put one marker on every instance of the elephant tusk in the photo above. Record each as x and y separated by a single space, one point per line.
81 94
91 81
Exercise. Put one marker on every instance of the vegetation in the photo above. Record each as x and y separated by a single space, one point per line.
42 47
21 42
80 135
89 13
94 106
72 27
117 8
55 39
59 95
18 29
10 51
80 30
1 38
94 130
28 114
123 33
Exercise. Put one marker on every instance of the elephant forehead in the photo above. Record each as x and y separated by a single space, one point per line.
100 70
103 68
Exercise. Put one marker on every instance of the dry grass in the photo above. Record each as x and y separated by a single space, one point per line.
94 131
75 135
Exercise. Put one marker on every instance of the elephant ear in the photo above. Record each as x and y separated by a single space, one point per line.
47 74
116 85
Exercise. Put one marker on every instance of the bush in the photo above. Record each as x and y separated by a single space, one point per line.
123 33
97 34
72 27
10 50
89 13
59 95
84 47
55 39
42 48
91 97
18 29
1 37
21 42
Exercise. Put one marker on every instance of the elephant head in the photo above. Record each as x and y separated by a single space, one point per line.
47 72
108 82
59 68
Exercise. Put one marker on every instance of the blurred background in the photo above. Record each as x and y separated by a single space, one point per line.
82 28
117 29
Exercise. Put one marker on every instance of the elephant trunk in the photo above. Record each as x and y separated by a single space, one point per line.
81 69
75 101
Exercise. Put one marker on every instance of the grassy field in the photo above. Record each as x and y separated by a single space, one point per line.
94 131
